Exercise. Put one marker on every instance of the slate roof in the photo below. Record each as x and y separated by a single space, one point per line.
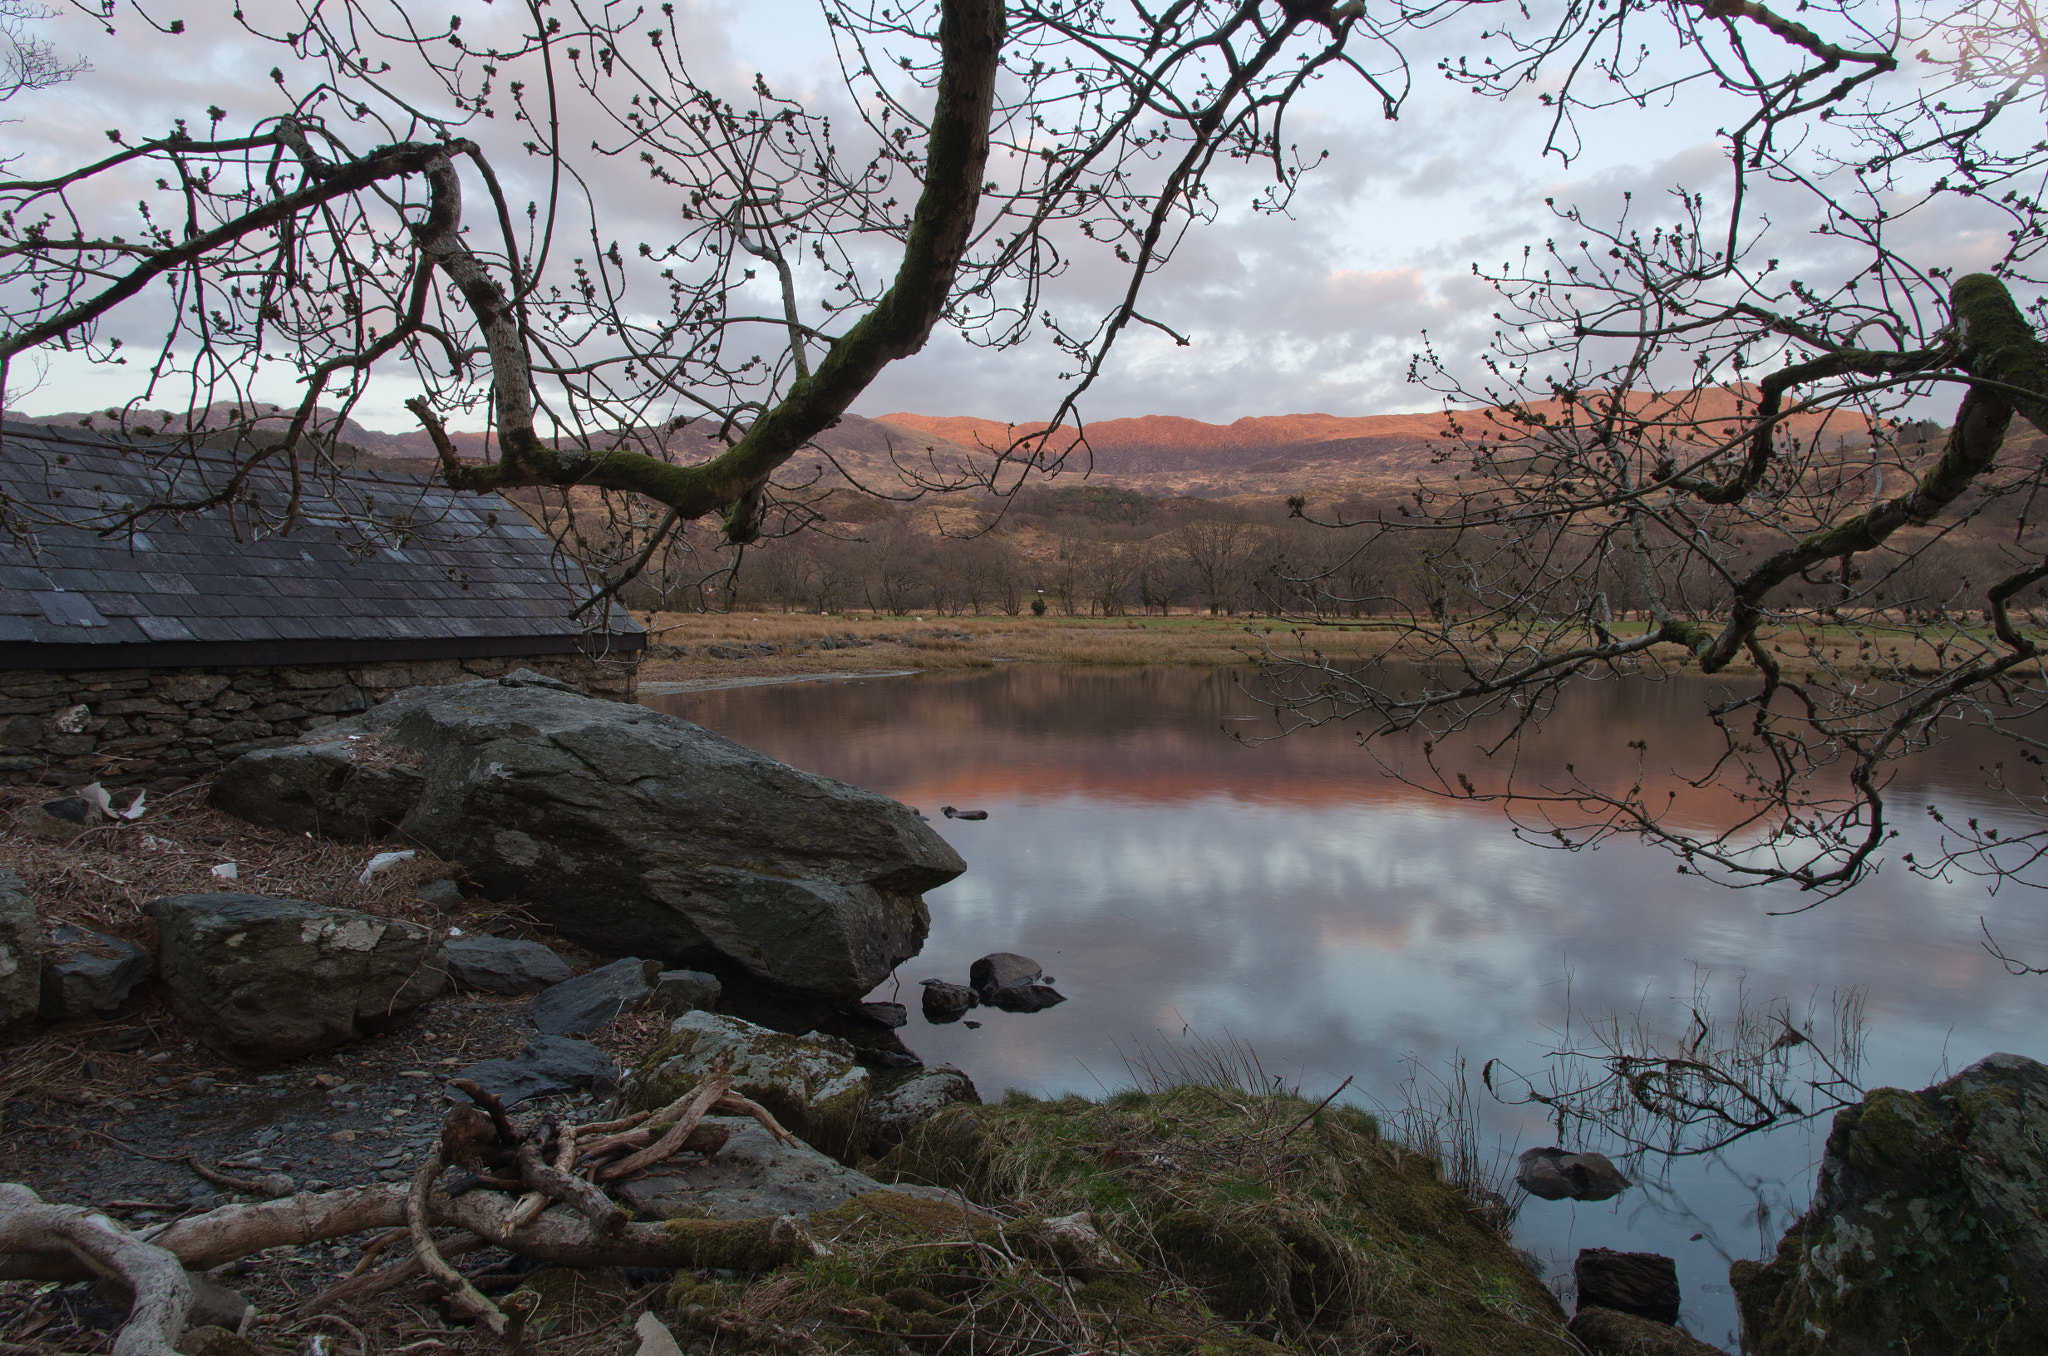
448 576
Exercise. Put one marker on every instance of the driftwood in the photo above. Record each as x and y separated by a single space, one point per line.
99 1246
562 1217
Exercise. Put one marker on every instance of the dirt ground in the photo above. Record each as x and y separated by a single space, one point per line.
112 1112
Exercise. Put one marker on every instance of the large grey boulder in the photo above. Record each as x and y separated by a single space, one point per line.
263 980
1925 1233
502 964
345 785
88 974
635 832
755 1175
21 953
680 991
1554 1175
811 1084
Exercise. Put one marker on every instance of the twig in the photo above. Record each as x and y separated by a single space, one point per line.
1314 1109
583 1197
709 1092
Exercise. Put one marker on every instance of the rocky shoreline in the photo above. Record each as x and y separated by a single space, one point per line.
315 1105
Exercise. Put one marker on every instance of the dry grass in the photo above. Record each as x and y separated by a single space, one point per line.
912 644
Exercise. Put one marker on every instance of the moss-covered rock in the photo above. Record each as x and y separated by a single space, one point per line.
809 1083
1925 1232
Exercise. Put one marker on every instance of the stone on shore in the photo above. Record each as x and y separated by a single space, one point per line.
1925 1232
1555 1175
579 1006
754 1175
502 964
88 974
550 1064
21 953
63 818
679 991
900 1102
265 980
811 1084
630 830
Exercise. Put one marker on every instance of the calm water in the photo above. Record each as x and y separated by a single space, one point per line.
1178 884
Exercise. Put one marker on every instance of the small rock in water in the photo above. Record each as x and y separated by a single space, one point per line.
891 1015
1025 998
1003 970
945 1002
951 813
1554 1175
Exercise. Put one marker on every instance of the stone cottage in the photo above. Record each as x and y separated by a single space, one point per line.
163 651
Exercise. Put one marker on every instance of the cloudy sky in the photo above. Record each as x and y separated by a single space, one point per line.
1319 312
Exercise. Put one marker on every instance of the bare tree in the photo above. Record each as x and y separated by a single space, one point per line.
1218 551
336 240
26 61
1691 454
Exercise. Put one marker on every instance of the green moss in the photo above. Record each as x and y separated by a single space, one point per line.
748 1245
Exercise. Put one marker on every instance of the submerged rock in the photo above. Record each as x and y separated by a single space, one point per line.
263 980
1554 1175
1925 1232
630 830
88 974
811 1084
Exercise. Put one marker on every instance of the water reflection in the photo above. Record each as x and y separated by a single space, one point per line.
1170 878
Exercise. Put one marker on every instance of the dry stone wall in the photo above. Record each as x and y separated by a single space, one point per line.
116 725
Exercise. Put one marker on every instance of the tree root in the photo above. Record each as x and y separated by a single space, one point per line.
163 1293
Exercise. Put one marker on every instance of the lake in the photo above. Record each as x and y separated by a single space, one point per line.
1179 885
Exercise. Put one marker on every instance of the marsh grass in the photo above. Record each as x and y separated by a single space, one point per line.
1230 1216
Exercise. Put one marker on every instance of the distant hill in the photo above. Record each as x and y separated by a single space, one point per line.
1162 455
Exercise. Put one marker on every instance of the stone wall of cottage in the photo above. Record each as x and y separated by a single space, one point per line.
123 725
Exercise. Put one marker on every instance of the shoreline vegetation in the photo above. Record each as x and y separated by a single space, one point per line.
737 648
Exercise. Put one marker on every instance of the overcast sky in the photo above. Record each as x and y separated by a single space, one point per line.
1317 313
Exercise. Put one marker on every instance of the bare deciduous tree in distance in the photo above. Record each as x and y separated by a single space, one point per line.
1691 454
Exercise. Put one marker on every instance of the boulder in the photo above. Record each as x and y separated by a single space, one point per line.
501 964
339 784
811 1084
1609 1332
21 953
263 980
87 974
754 1175
550 1064
1555 1175
1641 1283
889 1016
945 1002
1003 970
900 1102
1925 1232
634 831
576 1007
679 991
